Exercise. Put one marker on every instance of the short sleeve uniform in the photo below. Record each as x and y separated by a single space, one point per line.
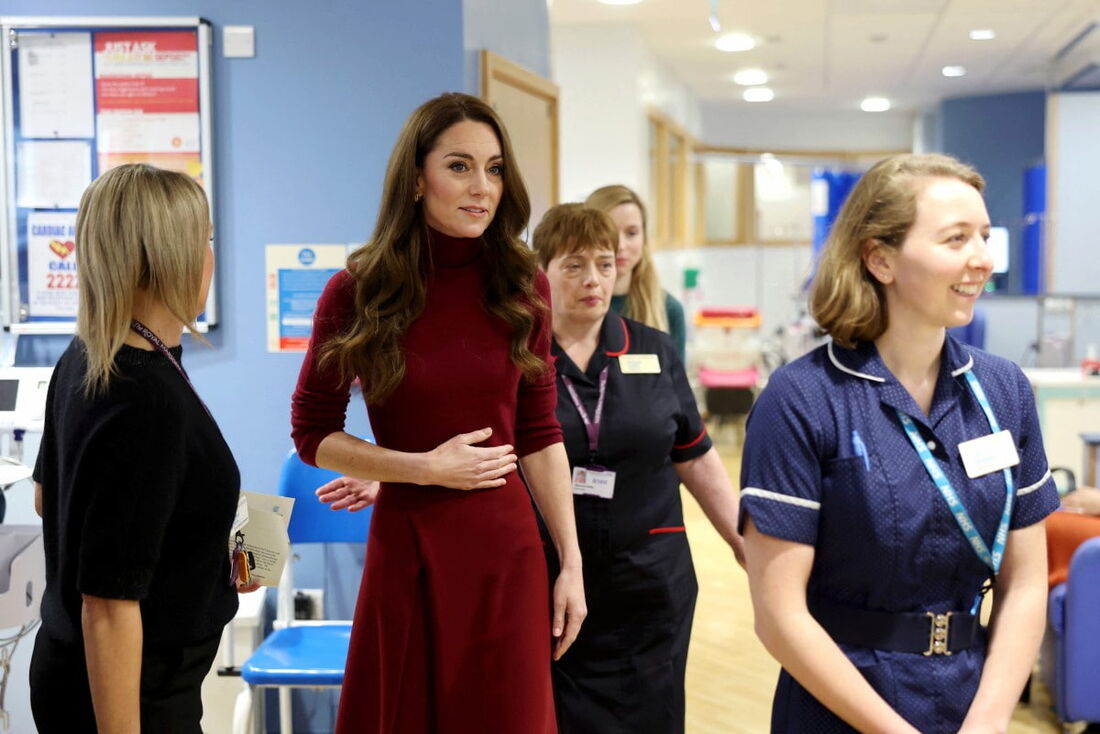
625 672
827 463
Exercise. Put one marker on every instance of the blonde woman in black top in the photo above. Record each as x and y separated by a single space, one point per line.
136 486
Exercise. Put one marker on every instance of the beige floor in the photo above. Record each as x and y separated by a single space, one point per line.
730 676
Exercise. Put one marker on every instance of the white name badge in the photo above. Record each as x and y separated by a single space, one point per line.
988 454
594 481
640 364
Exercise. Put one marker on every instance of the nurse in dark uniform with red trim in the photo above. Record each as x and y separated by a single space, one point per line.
632 434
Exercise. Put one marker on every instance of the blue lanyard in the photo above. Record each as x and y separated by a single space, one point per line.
958 510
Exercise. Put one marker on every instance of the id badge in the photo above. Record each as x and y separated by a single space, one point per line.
985 455
594 481
639 364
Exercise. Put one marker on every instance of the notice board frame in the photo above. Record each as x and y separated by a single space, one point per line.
15 314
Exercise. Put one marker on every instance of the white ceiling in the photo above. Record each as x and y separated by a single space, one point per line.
829 54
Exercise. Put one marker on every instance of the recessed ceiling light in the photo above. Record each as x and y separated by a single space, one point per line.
954 71
619 2
758 94
982 34
750 77
732 42
874 104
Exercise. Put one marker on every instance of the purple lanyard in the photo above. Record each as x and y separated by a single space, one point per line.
592 426
146 333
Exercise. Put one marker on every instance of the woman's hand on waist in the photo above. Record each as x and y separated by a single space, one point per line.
459 464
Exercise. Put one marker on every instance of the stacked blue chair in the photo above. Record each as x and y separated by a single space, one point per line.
1071 648
305 653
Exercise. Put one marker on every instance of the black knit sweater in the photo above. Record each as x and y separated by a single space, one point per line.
139 492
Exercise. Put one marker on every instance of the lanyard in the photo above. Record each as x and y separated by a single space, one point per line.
146 333
591 425
962 517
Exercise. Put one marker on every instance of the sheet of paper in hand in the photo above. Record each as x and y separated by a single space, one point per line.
263 519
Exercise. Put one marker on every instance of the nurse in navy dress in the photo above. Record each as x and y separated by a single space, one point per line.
892 474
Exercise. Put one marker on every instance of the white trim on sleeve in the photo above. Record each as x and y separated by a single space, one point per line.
1032 487
768 495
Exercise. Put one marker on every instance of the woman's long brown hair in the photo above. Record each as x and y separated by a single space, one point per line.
390 271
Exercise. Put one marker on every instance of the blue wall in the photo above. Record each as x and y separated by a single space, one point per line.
518 30
1001 135
302 133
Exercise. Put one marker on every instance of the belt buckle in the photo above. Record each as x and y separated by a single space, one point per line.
939 626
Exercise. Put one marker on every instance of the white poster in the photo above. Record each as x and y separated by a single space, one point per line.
52 174
51 264
55 85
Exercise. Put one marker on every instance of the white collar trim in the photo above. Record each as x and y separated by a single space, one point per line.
965 368
842 368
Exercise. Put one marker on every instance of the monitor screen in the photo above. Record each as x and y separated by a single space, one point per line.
8 390
998 248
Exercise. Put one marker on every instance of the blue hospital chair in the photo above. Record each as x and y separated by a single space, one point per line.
304 653
1071 647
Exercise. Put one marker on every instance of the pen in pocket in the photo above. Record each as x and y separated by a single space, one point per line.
860 450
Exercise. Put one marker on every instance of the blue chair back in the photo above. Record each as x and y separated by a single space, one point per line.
974 332
313 521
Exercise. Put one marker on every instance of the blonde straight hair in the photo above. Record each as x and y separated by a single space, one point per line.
645 299
138 227
845 300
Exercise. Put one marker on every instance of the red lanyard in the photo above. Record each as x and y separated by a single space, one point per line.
146 333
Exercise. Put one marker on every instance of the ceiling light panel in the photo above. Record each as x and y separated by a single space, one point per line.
954 71
982 34
750 77
874 104
734 42
758 94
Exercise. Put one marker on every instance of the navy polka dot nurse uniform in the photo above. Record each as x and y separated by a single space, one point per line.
828 463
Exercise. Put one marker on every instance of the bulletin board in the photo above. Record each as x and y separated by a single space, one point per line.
81 96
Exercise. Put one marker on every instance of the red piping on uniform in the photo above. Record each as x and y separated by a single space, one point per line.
626 341
691 443
671 529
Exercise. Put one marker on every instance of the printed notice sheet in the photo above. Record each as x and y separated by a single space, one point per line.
296 275
147 99
263 520
52 174
55 85
51 264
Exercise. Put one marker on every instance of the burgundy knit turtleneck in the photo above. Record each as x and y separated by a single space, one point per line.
459 376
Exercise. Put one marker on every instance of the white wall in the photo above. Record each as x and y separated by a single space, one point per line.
758 126
769 277
1073 176
609 79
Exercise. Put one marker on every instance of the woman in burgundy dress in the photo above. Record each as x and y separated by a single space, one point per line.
443 318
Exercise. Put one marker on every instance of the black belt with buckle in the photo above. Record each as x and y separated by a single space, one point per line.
930 633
